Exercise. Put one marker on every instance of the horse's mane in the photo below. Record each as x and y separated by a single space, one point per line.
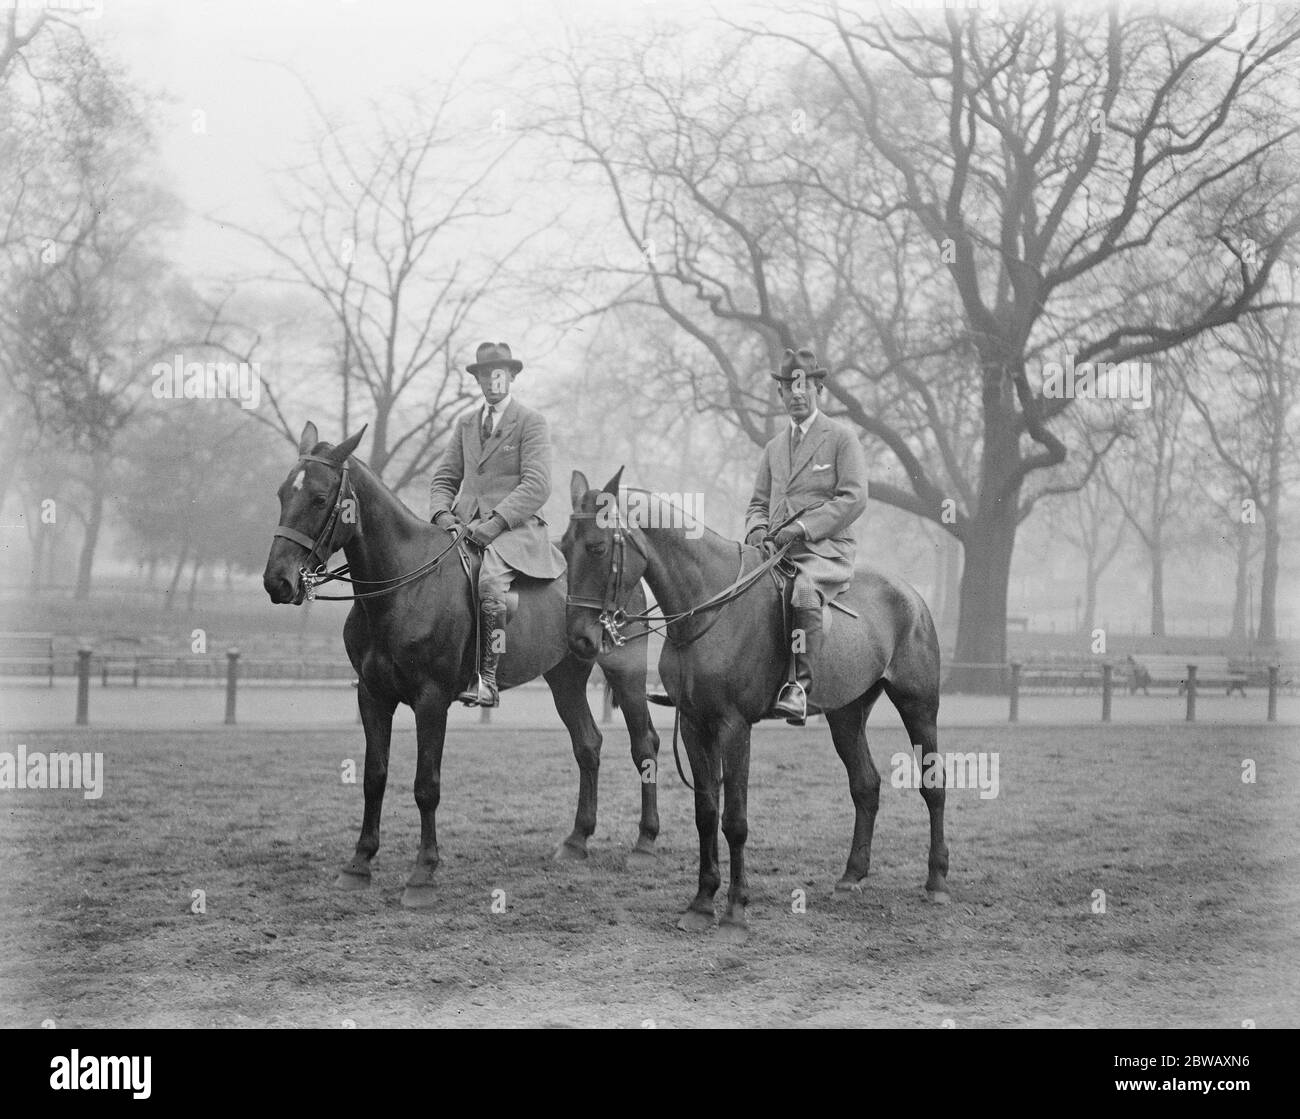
682 517
323 447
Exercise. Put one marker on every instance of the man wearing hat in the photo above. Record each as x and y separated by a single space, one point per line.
811 487
492 480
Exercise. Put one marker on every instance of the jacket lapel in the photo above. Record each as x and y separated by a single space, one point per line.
811 443
506 423
472 439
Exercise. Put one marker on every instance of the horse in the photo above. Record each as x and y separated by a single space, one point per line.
410 636
724 657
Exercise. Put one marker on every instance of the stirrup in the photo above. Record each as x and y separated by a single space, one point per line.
480 694
792 703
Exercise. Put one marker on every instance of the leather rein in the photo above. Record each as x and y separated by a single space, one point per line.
313 571
612 615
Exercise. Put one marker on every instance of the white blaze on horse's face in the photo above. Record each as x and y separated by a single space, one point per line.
298 481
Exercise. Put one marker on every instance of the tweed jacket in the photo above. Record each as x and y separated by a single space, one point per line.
829 473
511 476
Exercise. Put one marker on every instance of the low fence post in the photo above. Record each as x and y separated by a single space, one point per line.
1272 693
83 687
1191 693
1014 714
1107 684
232 684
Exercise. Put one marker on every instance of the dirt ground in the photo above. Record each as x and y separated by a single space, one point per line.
1199 871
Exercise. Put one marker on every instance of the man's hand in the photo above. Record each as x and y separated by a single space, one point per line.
482 533
755 537
447 521
788 535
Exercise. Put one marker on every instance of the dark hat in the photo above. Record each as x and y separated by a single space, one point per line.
805 359
493 355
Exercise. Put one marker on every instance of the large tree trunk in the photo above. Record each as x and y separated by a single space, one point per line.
982 620
1238 630
194 586
94 519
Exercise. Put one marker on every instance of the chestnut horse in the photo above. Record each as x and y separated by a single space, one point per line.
410 635
724 657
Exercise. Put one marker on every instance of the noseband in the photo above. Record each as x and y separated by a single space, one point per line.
612 615
312 571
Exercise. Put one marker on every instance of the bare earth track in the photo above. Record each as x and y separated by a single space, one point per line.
1199 871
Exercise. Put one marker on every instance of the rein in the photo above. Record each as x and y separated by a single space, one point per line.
612 615
324 545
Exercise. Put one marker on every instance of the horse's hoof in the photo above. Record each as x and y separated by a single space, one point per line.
419 897
938 897
850 886
732 931
695 921
641 860
566 852
349 880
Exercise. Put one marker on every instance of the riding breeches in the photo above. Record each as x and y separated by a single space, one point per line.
495 576
818 579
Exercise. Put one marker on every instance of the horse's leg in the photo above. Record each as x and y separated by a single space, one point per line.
568 682
734 741
629 689
377 719
920 712
706 772
848 731
430 734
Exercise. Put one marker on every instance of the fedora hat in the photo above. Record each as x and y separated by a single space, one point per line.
493 355
805 359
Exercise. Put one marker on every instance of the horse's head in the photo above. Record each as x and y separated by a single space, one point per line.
318 515
605 564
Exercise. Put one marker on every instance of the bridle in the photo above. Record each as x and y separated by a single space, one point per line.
612 615
312 571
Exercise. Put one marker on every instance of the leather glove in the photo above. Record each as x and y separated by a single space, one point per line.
482 533
447 521
755 537
787 535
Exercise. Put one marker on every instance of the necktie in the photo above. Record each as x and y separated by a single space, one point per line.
796 437
487 424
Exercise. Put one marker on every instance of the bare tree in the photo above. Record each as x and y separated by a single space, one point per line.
385 238
1247 407
961 199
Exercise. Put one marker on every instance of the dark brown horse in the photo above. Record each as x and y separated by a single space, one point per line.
722 668
410 638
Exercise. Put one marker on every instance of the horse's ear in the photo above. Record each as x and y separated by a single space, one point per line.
578 487
308 439
341 452
612 485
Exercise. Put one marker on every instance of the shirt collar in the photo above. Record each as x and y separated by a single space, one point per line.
499 408
803 427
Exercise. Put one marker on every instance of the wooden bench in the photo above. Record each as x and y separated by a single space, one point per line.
1147 670
119 656
22 652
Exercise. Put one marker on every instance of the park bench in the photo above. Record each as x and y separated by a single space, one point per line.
27 654
119 656
1148 670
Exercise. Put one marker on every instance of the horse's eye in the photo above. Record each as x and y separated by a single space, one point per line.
596 548
319 499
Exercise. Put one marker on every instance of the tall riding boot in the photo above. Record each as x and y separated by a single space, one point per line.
793 699
492 626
